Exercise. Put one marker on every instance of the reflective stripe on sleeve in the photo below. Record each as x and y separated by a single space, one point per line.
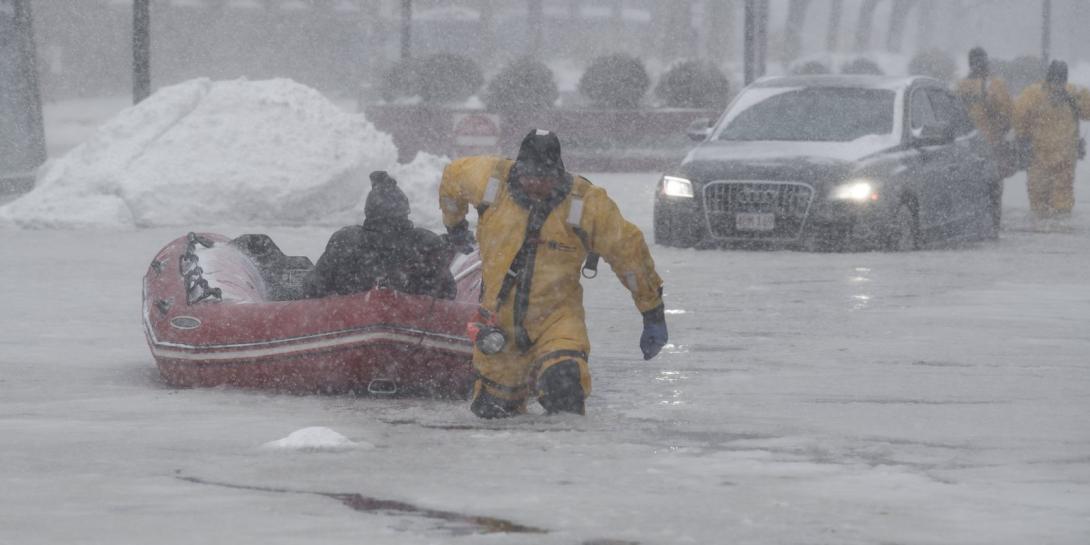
491 191
575 213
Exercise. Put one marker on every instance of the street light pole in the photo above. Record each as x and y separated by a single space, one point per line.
24 135
755 36
406 28
141 50
749 53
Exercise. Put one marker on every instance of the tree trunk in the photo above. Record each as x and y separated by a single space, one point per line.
487 30
898 18
718 25
676 35
792 33
863 26
925 23
832 36
536 20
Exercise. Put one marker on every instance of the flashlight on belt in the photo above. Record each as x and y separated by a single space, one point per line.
485 333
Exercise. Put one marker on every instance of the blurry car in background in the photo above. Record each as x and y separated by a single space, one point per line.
833 163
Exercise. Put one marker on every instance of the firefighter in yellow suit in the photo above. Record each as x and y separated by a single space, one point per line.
537 227
987 99
990 107
1046 114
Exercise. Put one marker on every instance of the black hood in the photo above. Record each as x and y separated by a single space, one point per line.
539 154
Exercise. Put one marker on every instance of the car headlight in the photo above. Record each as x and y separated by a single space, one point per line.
672 186
855 190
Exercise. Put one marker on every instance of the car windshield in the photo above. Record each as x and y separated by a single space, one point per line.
821 114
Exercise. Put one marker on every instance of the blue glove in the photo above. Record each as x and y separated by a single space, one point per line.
654 335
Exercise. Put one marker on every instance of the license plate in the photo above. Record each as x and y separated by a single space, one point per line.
754 222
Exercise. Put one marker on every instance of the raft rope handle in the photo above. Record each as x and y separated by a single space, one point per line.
196 287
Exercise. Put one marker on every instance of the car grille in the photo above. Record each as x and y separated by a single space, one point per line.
788 203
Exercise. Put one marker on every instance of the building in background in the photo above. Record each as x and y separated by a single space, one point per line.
337 45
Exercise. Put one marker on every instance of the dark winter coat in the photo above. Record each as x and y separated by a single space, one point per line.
387 252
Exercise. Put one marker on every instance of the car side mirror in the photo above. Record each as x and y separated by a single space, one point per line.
699 129
935 134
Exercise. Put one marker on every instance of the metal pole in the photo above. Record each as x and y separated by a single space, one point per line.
24 24
1046 30
749 54
141 50
406 28
762 37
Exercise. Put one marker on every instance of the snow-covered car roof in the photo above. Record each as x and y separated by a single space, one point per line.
861 81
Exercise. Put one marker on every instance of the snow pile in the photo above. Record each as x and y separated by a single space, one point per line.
1080 74
420 182
316 438
236 152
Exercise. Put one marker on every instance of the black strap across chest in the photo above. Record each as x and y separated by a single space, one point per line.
521 272
519 275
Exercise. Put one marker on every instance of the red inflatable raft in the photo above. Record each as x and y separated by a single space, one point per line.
220 312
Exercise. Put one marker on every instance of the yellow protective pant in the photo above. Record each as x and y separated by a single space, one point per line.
512 375
1051 188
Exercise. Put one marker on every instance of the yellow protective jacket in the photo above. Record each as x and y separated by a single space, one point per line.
555 297
1050 124
989 105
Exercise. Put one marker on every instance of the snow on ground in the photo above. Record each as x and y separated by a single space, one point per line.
934 397
315 438
229 151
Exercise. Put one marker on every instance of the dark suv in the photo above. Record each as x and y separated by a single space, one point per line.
833 162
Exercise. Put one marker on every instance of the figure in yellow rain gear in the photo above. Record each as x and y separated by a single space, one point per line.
990 108
987 99
1046 115
538 228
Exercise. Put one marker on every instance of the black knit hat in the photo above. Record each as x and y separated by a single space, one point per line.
385 200
539 155
978 61
1057 73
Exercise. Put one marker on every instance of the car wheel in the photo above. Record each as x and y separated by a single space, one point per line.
905 234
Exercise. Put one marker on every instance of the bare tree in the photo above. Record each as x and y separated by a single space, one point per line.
488 28
536 20
675 37
898 18
616 17
718 29
792 38
925 22
832 36
863 26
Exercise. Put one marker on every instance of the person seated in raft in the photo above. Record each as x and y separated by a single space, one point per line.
386 251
